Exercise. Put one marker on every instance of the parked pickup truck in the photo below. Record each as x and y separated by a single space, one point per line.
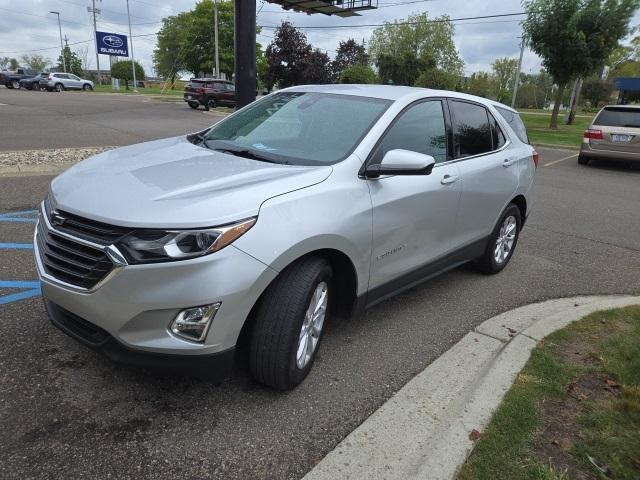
12 79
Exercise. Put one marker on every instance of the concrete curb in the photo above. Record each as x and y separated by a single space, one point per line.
423 430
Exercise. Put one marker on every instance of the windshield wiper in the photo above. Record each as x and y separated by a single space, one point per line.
241 152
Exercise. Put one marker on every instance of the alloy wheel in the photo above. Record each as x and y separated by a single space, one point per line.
506 239
312 325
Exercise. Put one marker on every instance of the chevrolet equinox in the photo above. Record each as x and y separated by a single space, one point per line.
313 201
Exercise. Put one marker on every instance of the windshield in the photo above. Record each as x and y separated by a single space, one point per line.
300 128
618 117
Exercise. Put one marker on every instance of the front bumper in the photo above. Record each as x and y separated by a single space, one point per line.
214 367
135 304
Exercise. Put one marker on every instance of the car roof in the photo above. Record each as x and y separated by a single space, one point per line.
390 92
630 107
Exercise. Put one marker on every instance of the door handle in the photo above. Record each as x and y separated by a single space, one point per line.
508 162
447 179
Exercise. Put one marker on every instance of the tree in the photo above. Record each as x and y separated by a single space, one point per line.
481 84
13 64
596 91
74 63
286 56
316 68
358 74
36 62
437 79
168 57
348 54
4 63
575 37
403 49
122 71
504 71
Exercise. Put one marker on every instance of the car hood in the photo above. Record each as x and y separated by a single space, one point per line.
172 183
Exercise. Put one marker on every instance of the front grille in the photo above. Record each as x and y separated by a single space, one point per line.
69 261
92 230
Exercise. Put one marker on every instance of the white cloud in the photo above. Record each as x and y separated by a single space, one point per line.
28 26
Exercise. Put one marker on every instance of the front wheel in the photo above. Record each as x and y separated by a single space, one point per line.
86 87
211 103
289 322
502 242
15 84
194 105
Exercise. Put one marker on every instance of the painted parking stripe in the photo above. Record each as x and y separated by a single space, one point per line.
23 216
30 289
560 160
16 246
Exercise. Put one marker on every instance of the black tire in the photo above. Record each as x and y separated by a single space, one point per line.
488 263
59 87
86 87
15 84
278 323
582 160
35 88
194 105
211 103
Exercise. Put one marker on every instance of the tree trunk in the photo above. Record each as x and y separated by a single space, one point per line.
556 107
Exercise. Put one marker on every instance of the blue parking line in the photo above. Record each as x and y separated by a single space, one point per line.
16 246
31 289
22 216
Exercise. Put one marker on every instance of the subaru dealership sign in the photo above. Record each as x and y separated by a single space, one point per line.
113 44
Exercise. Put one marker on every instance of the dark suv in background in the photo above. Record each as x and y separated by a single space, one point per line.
210 93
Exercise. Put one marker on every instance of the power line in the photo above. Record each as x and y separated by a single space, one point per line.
369 25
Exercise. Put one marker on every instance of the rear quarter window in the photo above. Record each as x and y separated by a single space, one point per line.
618 117
515 122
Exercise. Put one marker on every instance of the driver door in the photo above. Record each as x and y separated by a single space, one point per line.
414 216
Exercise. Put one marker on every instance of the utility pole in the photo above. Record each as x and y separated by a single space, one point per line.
133 61
215 35
517 81
64 60
95 38
245 51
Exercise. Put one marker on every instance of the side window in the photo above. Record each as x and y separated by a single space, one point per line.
218 86
496 133
471 130
515 122
73 77
420 129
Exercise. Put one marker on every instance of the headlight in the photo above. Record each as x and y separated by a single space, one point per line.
150 246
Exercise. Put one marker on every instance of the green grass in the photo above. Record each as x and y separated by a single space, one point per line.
145 91
607 429
565 135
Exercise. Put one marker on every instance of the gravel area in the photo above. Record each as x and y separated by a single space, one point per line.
56 157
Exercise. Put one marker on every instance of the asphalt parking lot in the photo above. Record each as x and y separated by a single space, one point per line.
66 412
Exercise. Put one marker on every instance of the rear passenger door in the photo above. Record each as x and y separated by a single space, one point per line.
488 169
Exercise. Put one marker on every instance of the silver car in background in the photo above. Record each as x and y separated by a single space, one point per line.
614 134
65 81
313 202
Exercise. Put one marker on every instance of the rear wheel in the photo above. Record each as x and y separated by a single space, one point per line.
502 242
15 84
582 160
289 323
193 105
59 87
211 103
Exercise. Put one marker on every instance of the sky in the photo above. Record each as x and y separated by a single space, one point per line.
27 27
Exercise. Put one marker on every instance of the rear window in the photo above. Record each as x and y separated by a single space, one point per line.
515 122
618 117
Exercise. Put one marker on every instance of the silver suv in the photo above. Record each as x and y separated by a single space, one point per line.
312 202
65 81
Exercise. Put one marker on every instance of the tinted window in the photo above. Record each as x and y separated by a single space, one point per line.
515 122
419 129
618 117
472 132
497 136
300 128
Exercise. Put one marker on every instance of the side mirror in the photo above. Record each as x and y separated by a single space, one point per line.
401 162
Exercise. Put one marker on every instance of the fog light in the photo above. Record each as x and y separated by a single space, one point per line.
193 323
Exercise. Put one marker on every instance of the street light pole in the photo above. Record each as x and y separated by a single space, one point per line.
95 39
64 60
517 81
215 35
133 61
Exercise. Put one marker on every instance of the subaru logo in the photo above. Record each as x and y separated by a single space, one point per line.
112 41
57 219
